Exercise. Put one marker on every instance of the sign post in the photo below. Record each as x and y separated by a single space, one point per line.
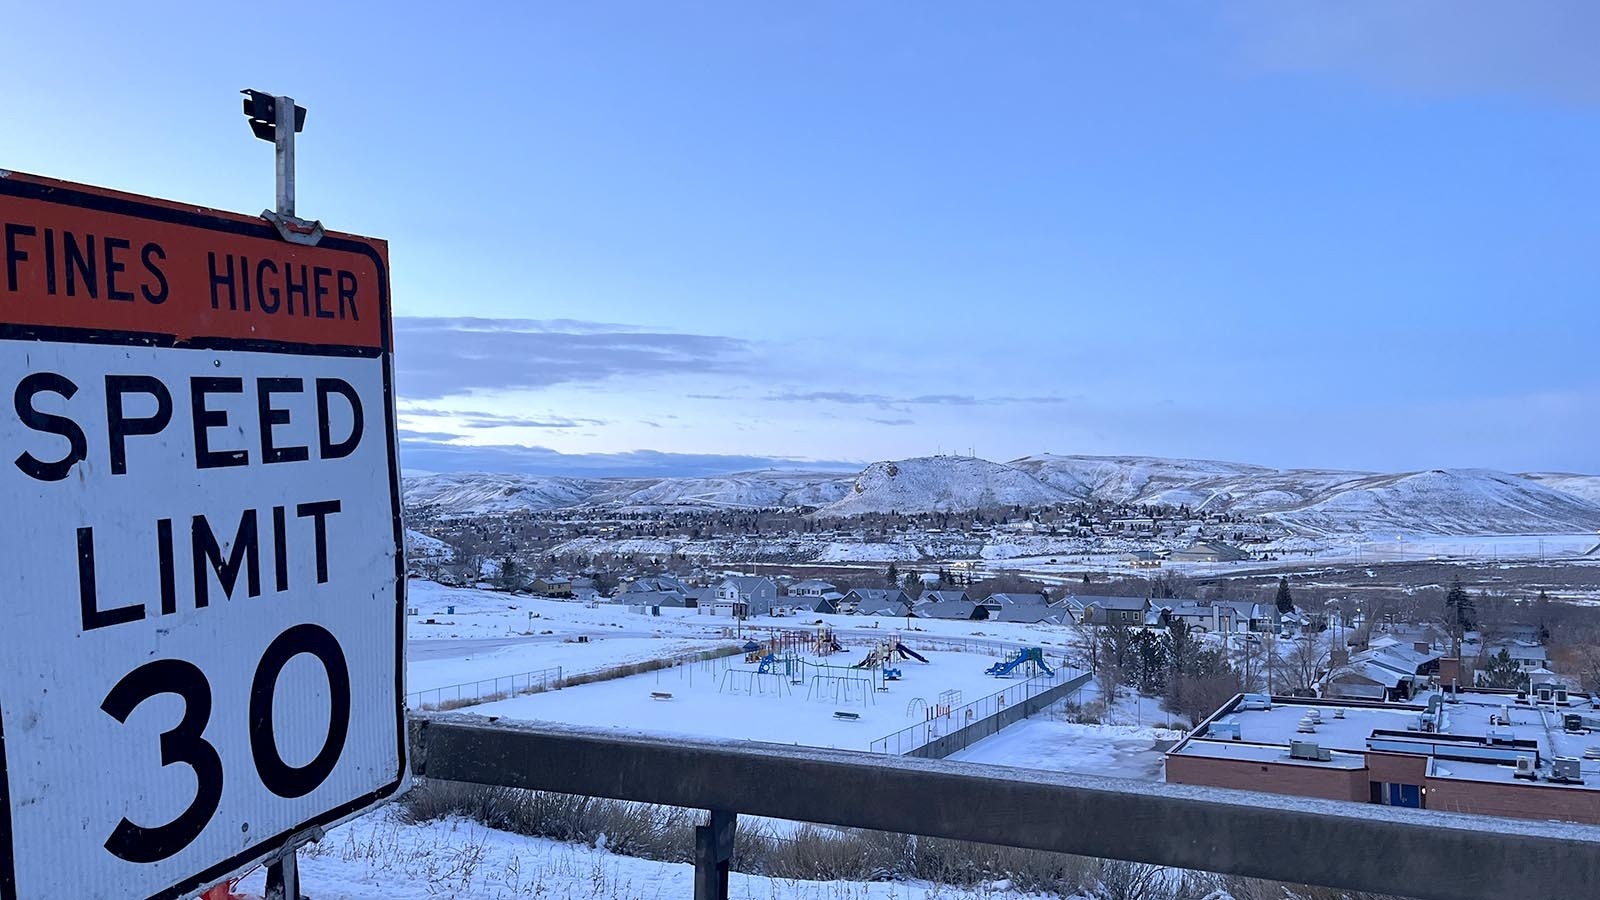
202 584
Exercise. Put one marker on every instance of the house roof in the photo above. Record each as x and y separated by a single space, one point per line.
1015 599
945 596
652 598
749 583
947 609
1029 615
813 583
877 595
1132 604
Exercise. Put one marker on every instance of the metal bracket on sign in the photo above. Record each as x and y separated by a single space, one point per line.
295 231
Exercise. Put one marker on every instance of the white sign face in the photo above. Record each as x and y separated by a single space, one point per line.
201 629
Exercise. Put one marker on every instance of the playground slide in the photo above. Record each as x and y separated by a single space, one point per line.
905 651
1033 654
1004 668
836 645
865 662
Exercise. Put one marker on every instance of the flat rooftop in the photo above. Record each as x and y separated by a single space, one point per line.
1265 734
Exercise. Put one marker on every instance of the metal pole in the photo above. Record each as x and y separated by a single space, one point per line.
283 140
283 878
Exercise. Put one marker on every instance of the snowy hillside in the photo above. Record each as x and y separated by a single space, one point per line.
1457 501
755 490
1454 501
1585 486
943 483
477 492
472 493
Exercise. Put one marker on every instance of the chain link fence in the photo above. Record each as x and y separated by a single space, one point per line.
944 721
471 693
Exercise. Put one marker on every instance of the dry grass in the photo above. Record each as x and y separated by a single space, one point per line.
817 853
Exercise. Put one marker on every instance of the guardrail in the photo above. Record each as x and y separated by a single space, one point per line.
1424 854
966 716
469 693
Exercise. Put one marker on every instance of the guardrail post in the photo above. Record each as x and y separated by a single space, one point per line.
713 852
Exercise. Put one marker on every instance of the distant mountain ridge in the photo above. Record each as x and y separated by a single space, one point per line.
1440 501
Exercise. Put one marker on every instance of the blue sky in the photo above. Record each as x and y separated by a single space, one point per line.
642 238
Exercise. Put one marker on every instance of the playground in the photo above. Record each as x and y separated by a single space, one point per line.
803 686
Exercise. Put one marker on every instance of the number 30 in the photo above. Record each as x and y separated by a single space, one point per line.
186 743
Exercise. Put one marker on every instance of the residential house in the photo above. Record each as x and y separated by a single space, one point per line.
994 603
1391 672
964 610
1114 610
875 602
1528 655
812 587
672 599
1031 614
557 586
945 596
756 592
1221 616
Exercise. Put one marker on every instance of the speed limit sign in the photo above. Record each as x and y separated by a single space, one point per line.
201 590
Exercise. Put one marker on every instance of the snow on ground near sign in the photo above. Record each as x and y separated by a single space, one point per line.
378 858
707 701
491 660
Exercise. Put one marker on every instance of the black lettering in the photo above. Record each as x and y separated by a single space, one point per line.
320 290
280 549
49 423
119 426
290 289
278 776
347 294
245 554
262 292
88 601
319 511
244 280
169 579
331 449
14 254
185 744
272 417
149 255
204 419
221 279
50 261
79 265
113 268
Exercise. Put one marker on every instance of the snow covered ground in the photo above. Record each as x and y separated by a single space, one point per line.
1048 741
726 698
379 858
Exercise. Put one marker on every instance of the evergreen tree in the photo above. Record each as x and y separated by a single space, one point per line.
1460 608
1501 672
1086 578
893 576
1285 599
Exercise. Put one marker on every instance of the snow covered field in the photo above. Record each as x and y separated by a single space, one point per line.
1053 743
726 699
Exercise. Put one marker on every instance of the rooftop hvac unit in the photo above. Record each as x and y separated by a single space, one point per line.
1309 751
1307 726
1566 770
1592 751
1525 768
1315 715
1338 713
